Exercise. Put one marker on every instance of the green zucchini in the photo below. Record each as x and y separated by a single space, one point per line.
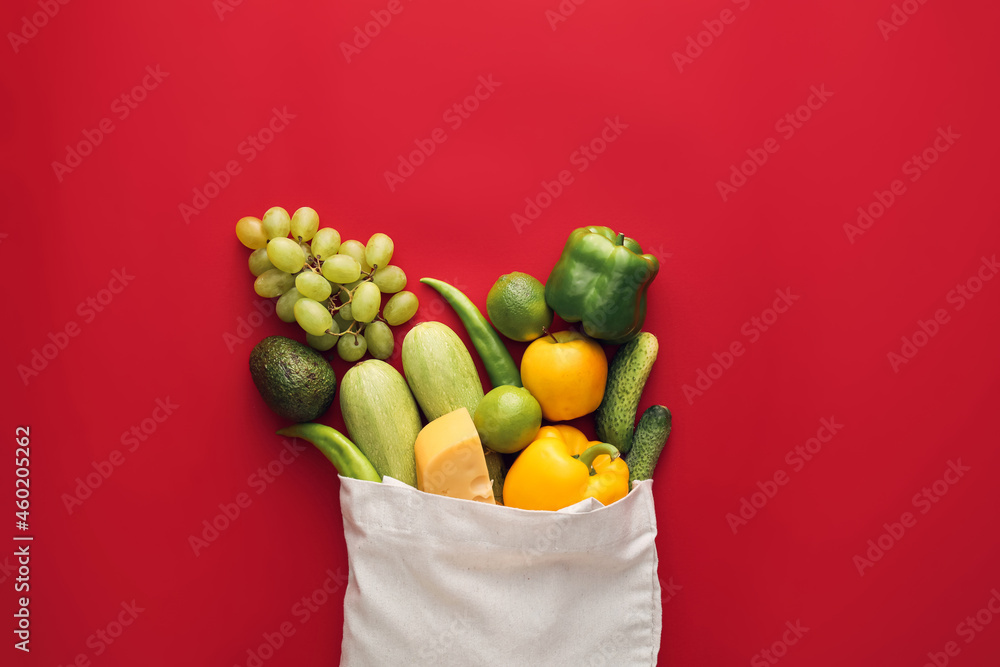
440 370
381 418
650 436
443 378
627 375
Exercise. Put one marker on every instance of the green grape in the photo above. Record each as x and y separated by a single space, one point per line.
366 301
286 305
400 308
276 223
305 222
326 243
324 342
312 316
341 269
306 249
379 339
378 252
344 295
286 254
356 250
342 323
390 279
313 286
251 233
273 282
352 347
259 263
345 312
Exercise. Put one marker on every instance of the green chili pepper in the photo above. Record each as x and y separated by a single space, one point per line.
343 454
499 365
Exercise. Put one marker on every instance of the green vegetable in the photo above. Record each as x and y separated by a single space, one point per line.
497 469
342 453
294 380
650 437
499 365
381 417
443 378
440 370
627 375
601 279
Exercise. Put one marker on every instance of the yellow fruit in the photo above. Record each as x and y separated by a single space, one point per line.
516 306
566 372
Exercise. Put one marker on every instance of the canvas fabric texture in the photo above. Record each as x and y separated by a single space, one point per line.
440 581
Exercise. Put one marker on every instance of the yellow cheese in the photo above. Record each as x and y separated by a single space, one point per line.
450 459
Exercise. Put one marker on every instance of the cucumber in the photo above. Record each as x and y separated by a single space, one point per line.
627 375
443 378
650 436
381 418
440 370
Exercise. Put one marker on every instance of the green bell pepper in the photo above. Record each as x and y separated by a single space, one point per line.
601 279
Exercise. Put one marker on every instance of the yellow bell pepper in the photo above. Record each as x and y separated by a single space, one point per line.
561 468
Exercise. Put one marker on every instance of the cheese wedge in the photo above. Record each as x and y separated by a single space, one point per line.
450 459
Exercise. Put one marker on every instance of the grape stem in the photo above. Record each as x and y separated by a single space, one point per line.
316 265
349 330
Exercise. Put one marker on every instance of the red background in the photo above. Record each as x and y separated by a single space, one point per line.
727 596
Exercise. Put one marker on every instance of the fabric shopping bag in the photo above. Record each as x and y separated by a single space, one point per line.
441 581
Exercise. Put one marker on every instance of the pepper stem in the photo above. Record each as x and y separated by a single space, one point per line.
592 452
621 239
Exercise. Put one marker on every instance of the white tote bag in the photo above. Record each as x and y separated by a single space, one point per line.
441 581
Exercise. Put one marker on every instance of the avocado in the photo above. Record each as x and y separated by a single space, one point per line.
294 380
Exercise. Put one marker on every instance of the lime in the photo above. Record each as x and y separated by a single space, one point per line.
508 418
516 306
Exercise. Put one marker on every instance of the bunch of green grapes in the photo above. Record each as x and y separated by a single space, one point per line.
333 289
